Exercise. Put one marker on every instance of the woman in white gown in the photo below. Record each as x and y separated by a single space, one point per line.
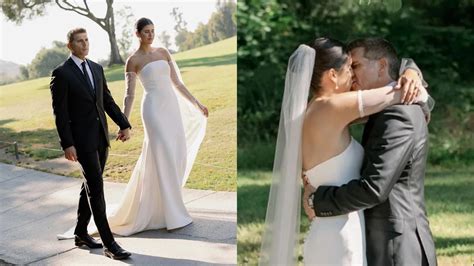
174 125
315 137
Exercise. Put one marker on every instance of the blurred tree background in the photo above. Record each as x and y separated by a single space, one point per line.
221 25
437 34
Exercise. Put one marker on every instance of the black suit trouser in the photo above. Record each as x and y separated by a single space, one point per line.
91 199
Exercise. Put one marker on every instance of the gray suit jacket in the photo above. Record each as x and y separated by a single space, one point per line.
391 189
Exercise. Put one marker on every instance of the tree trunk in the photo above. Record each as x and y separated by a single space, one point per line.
115 57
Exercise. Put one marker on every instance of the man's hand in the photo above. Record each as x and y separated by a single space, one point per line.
123 134
308 190
70 154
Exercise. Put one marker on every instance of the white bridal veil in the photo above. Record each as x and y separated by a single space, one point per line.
280 239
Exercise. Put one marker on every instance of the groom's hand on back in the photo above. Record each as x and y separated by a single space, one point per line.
308 190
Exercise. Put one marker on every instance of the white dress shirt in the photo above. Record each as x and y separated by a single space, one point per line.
78 62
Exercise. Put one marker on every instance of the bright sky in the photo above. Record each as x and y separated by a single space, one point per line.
20 43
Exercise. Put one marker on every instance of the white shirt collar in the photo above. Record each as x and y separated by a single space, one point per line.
77 60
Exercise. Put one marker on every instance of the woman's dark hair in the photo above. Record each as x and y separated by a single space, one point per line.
330 53
141 23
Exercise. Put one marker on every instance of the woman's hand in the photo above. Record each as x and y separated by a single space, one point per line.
410 89
203 109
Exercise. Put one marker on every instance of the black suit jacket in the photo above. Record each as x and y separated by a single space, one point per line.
391 188
79 114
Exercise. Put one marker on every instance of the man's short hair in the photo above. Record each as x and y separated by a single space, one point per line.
73 32
377 48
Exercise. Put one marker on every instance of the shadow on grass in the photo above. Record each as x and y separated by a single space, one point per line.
30 142
228 59
252 203
449 192
447 245
452 195
114 73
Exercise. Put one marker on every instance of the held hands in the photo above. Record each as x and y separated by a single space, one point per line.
123 134
308 190
70 154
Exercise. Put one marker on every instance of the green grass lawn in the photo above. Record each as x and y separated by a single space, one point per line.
449 201
210 73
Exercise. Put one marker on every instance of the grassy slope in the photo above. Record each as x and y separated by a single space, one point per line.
210 72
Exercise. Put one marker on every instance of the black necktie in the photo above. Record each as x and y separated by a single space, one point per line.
83 64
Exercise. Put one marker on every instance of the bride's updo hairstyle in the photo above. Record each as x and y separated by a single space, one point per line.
330 53
141 23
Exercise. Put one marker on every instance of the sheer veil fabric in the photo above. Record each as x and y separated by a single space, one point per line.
194 123
280 239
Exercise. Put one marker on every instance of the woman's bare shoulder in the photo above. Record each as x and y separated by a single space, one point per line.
132 62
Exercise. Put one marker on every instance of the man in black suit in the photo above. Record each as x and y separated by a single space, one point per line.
391 187
80 99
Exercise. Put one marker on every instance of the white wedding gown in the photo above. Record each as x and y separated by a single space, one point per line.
173 132
337 240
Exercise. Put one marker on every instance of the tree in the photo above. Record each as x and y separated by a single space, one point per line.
202 34
222 23
46 60
126 19
180 28
164 39
24 75
178 17
226 26
18 10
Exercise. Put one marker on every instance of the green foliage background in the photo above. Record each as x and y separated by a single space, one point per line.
437 34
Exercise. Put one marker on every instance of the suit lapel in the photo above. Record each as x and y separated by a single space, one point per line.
367 128
80 76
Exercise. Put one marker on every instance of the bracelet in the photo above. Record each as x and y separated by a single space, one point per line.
311 201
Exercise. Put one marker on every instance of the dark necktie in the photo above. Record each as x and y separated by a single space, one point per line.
84 70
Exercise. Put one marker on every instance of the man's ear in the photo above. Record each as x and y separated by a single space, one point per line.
68 45
383 66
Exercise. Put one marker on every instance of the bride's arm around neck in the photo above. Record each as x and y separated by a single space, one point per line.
344 108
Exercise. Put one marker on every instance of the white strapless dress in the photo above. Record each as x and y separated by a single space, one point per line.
173 132
337 240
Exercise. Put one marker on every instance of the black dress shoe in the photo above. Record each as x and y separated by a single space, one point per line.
86 240
114 251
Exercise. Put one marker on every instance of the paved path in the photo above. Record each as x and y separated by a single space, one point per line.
35 206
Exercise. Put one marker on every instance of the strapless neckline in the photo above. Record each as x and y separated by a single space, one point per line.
149 63
352 141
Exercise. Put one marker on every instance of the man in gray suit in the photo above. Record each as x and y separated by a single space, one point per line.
391 187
